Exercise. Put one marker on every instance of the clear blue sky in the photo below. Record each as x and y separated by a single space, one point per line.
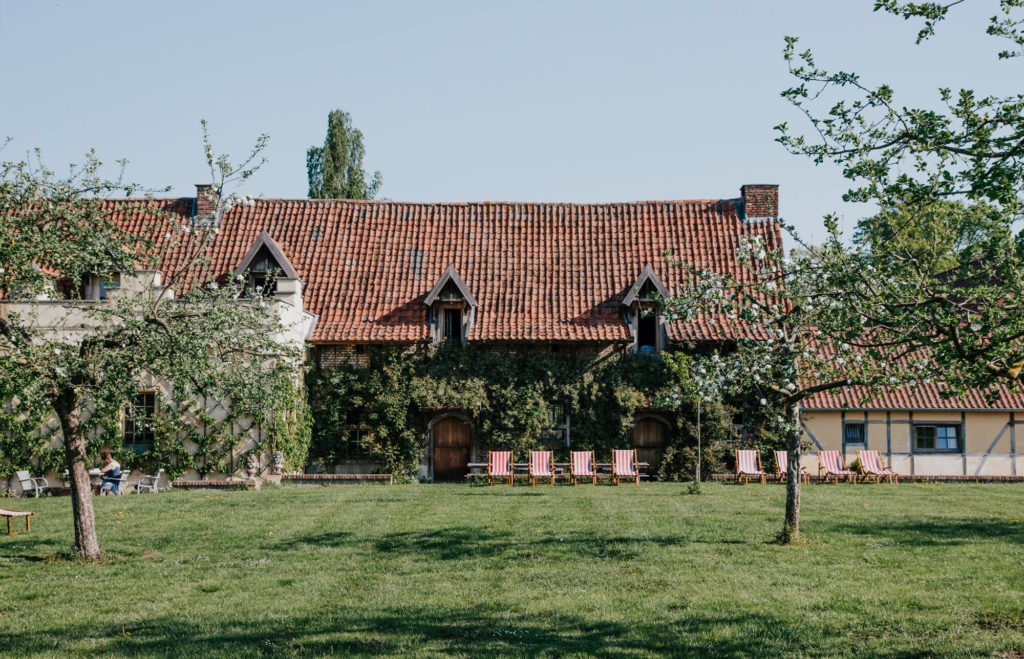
464 101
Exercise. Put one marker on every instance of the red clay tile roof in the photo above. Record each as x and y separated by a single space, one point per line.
540 272
922 397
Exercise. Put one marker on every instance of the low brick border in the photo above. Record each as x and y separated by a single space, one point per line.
330 479
908 478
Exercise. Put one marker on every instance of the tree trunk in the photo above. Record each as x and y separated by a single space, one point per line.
69 411
791 526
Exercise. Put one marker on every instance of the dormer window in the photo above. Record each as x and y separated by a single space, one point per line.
643 312
263 274
263 265
452 308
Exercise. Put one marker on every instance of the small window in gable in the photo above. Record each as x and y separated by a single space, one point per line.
451 293
648 291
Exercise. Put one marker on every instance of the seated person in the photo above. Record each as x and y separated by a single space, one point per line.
111 473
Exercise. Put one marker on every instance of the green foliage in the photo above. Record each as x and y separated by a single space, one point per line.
189 332
936 275
515 399
1003 25
335 170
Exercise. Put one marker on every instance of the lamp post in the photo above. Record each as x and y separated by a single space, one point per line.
698 440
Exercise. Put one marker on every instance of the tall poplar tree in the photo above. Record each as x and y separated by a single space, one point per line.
335 170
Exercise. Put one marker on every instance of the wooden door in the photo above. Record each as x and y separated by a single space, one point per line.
451 449
649 439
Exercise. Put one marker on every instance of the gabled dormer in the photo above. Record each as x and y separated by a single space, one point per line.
452 308
264 266
642 310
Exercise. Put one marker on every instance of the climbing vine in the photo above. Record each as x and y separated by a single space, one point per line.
190 431
515 397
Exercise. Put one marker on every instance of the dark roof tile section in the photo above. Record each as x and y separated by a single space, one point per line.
540 272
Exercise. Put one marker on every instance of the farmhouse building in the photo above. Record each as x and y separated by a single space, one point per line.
544 277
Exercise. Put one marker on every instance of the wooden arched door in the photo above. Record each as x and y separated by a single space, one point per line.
649 438
451 449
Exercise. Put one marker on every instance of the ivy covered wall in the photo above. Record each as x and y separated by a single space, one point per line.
513 396
190 433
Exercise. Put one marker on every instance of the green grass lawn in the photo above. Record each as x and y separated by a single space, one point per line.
437 570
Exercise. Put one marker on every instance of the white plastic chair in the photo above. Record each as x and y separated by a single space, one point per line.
32 487
149 483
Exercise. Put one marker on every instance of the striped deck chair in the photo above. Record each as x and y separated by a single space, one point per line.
624 466
782 468
582 466
870 465
500 466
542 465
748 463
833 465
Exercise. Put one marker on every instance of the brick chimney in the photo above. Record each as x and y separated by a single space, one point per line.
760 202
206 200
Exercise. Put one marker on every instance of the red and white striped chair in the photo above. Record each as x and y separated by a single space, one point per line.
582 465
782 468
624 466
542 465
831 463
501 467
870 465
748 463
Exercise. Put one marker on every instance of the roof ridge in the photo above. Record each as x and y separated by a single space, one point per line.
447 203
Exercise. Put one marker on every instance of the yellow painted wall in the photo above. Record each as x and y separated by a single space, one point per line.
827 427
900 439
952 417
980 430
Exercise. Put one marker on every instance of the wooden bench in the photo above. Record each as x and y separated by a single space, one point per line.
17 513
